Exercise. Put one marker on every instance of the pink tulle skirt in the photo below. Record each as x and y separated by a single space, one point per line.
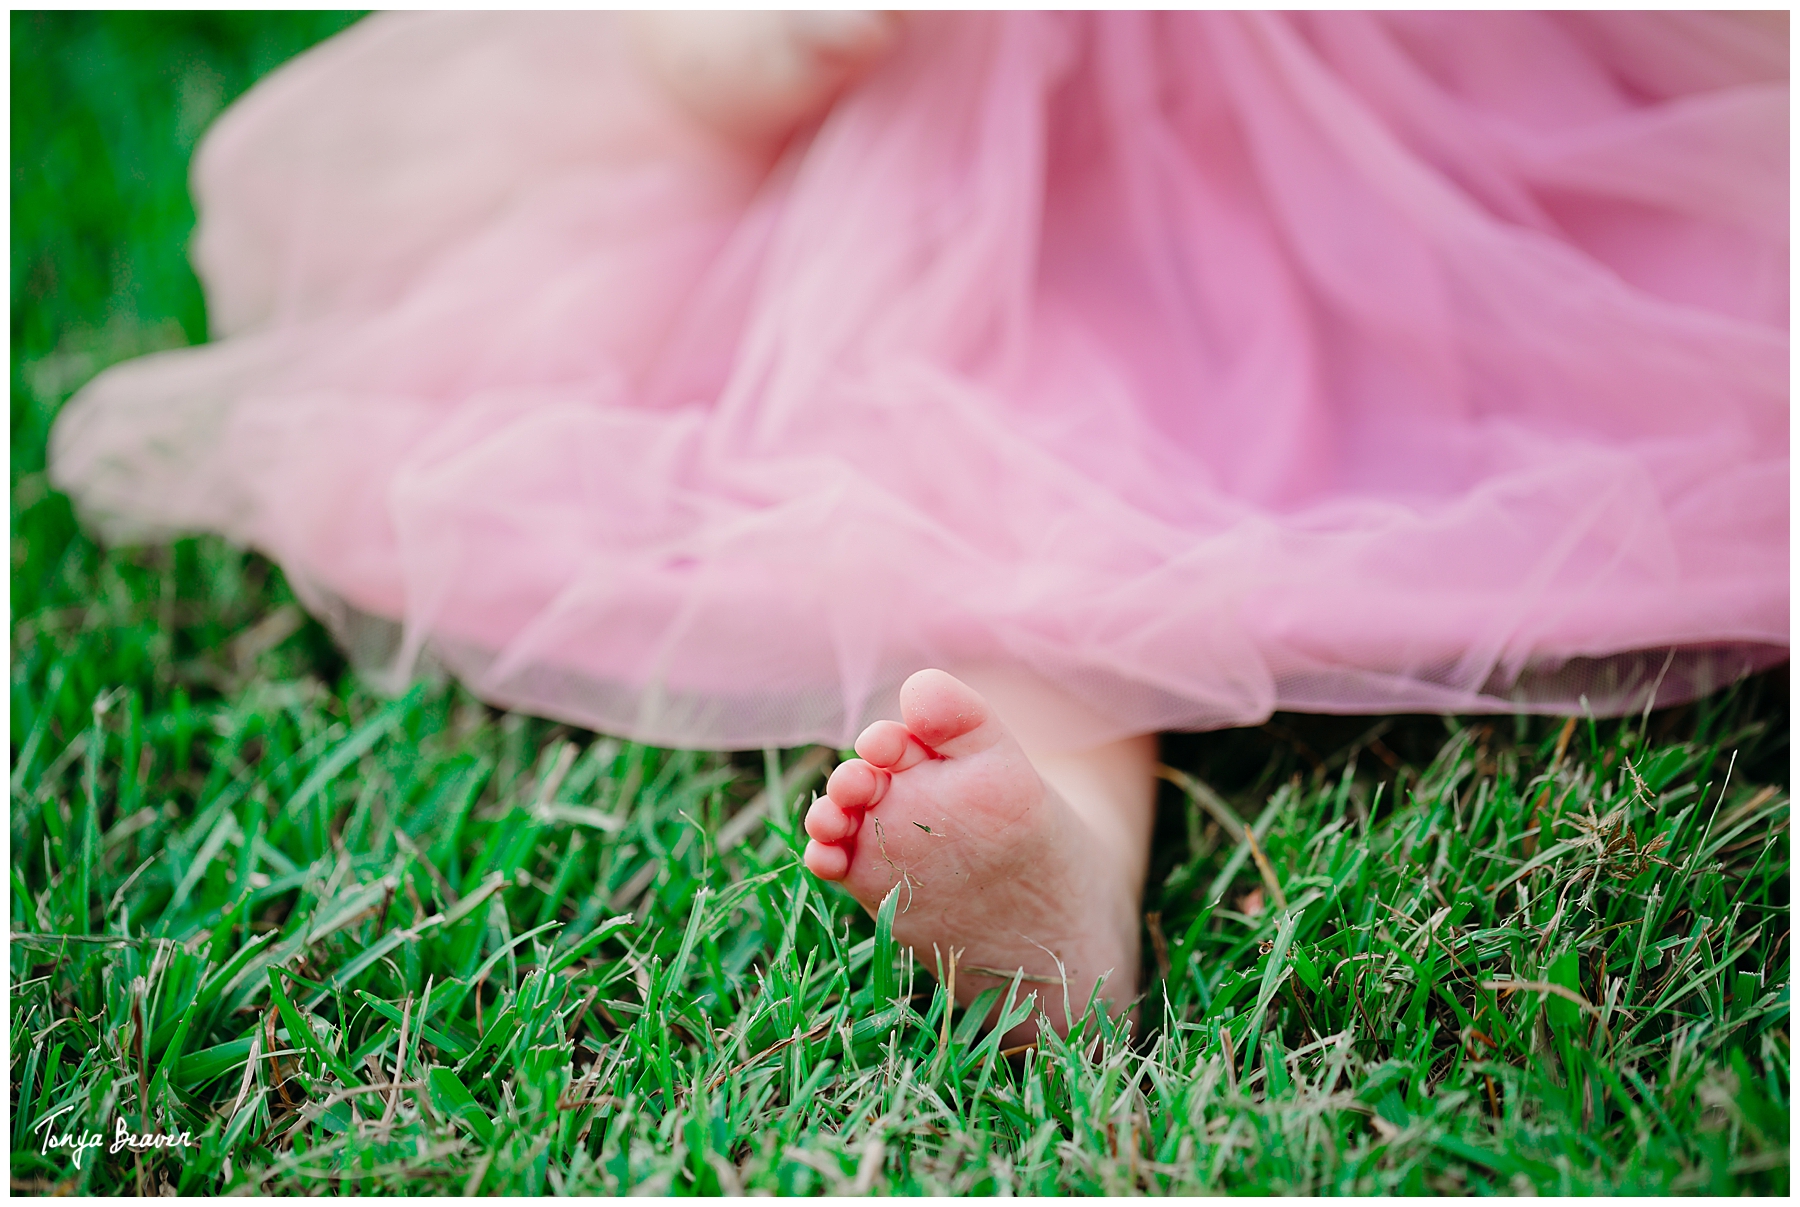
1178 366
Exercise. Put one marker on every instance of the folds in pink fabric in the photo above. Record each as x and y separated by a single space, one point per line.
1183 365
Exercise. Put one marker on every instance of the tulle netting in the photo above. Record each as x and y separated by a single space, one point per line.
1184 366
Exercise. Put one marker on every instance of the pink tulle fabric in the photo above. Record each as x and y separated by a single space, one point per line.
1182 366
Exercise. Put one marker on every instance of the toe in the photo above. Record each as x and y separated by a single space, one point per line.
939 709
827 861
888 745
827 821
883 744
855 785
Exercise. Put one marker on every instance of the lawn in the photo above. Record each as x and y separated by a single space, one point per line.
353 944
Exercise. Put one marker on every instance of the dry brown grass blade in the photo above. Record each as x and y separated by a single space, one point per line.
1558 990
1532 830
818 1030
1263 866
138 989
1206 798
1542 987
1158 943
1233 825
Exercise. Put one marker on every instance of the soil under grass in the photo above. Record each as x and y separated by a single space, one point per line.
350 944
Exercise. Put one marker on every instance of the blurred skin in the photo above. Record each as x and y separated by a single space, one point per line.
758 75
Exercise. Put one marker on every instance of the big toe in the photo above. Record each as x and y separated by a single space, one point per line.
947 714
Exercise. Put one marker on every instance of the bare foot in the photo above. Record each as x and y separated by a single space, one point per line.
992 861
758 75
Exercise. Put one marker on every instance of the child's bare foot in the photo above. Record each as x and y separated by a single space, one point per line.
992 861
758 75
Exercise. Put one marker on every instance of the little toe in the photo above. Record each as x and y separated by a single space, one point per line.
827 861
856 785
828 822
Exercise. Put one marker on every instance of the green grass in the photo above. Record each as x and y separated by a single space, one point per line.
593 966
